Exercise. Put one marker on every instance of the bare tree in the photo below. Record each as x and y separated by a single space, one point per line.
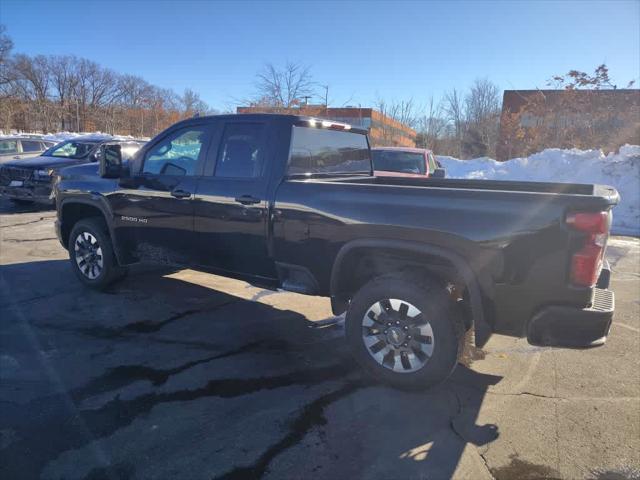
432 126
454 109
192 103
402 111
482 111
284 87
6 44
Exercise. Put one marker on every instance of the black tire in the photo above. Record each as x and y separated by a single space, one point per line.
109 271
433 301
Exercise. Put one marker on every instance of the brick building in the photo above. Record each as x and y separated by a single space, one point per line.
532 120
383 131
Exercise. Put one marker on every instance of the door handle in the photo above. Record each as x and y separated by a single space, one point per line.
17 157
178 193
247 200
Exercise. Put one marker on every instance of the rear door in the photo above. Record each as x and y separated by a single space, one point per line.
31 148
154 209
231 208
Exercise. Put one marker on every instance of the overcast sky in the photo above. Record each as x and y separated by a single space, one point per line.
362 50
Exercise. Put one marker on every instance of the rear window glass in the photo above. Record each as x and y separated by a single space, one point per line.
317 150
398 161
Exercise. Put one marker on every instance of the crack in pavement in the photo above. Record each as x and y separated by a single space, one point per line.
144 326
123 375
27 223
460 435
311 415
486 462
24 240
64 427
530 394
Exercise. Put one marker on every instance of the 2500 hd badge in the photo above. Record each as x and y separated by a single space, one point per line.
133 219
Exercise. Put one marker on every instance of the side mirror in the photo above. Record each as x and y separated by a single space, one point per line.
110 158
439 173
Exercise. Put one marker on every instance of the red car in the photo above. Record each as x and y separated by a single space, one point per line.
405 162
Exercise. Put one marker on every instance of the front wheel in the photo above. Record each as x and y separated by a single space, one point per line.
404 330
91 254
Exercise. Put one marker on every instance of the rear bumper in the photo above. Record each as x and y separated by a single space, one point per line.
36 193
571 327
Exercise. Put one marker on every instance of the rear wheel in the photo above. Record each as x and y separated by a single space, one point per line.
405 330
91 254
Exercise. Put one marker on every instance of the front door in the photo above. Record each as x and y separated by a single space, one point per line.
231 208
154 208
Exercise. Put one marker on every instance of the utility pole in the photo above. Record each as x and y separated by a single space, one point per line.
326 99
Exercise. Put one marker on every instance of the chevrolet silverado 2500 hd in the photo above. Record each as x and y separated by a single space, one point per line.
291 202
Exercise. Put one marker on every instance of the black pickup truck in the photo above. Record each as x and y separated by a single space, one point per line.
291 202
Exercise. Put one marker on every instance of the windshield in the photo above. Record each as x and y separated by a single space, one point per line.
317 150
70 149
398 161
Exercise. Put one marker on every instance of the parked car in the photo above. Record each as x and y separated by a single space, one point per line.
405 162
19 147
290 202
30 180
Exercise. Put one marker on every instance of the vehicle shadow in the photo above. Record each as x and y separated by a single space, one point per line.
7 207
237 388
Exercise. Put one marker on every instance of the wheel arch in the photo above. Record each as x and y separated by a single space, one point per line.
346 276
73 210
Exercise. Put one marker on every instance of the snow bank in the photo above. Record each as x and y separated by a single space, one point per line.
620 170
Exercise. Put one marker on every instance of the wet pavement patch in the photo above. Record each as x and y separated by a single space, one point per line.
523 470
311 415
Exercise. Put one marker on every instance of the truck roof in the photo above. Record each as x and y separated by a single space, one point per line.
293 119
403 149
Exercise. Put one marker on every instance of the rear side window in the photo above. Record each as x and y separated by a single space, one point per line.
241 151
317 150
31 146
8 146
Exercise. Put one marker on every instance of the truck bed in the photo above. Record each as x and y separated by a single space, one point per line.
497 185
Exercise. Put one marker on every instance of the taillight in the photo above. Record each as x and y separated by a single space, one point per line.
586 263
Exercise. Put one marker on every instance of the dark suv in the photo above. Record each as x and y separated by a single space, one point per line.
30 180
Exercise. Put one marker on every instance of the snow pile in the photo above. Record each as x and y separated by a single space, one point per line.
620 170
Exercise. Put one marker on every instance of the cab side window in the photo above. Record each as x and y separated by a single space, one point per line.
241 151
177 154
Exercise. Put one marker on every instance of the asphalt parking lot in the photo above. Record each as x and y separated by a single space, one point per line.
188 375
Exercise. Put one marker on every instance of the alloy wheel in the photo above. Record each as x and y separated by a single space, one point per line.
88 255
397 335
